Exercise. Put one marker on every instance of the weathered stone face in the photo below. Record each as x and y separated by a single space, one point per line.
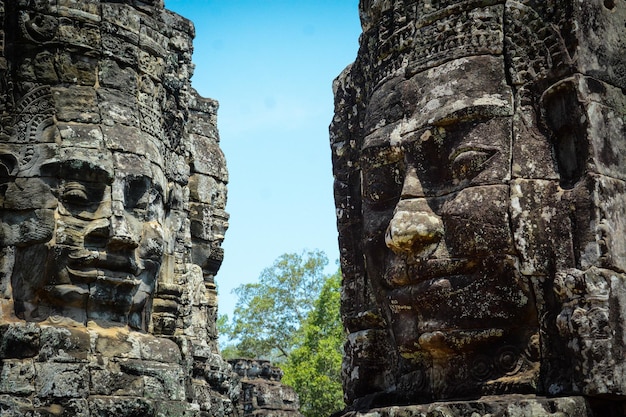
262 393
102 137
478 187
437 244
108 243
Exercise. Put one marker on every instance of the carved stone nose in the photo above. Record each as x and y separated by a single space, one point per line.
121 235
414 229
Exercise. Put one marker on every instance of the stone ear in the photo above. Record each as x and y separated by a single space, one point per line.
565 117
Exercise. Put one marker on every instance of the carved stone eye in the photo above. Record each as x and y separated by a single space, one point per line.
382 185
75 193
143 198
466 164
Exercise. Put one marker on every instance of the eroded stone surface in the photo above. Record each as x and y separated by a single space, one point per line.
477 151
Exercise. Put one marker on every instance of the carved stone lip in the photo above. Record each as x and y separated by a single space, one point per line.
400 273
87 260
96 275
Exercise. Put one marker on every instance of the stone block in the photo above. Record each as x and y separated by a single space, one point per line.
120 407
41 67
206 189
208 158
592 326
122 78
86 10
133 140
201 216
175 409
117 108
116 344
538 214
76 104
116 46
64 345
159 350
204 124
152 39
108 379
77 69
202 392
531 153
61 380
32 226
19 340
81 135
600 45
17 377
29 194
151 64
121 15
161 380
85 35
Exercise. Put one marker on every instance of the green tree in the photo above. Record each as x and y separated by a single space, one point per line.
313 368
291 317
269 313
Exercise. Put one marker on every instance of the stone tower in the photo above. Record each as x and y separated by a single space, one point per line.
112 196
479 159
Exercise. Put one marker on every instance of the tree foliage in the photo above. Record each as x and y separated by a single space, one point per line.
314 367
291 317
268 313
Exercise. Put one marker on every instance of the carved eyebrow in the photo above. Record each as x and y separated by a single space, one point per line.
78 169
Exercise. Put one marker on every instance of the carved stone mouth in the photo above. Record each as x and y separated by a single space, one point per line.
400 273
105 261
437 268
113 278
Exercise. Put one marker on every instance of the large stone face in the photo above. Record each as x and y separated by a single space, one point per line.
112 198
479 184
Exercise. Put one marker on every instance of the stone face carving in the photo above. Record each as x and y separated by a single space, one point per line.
479 188
112 196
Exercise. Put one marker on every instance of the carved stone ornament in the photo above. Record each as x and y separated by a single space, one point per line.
480 185
112 215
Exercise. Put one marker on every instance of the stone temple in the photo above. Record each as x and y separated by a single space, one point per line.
112 215
479 154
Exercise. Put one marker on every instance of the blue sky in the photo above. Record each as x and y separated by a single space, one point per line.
270 64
